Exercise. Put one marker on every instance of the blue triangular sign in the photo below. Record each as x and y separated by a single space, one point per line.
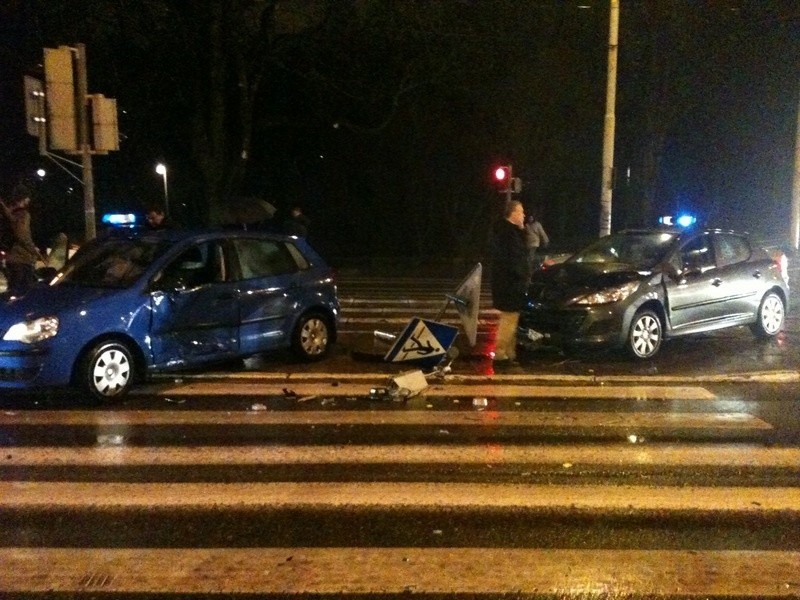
422 342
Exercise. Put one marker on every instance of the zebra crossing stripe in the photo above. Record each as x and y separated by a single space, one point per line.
555 380
632 421
572 499
699 455
326 571
326 388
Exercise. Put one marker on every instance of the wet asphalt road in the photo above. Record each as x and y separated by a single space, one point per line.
775 404
449 526
751 411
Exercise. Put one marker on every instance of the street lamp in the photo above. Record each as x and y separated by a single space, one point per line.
161 169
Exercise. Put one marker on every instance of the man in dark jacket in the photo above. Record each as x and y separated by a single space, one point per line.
156 218
510 277
296 223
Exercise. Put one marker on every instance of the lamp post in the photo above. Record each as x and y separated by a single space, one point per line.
161 169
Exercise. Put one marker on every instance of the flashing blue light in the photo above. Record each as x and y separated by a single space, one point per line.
681 221
119 219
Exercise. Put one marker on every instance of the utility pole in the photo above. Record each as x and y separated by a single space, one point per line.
84 143
607 188
795 233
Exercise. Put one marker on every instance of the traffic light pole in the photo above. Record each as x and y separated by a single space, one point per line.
85 143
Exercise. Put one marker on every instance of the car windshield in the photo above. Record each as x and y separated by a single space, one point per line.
640 250
115 263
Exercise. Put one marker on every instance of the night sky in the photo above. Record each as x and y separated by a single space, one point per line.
385 123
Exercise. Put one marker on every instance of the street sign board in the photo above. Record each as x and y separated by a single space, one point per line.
422 342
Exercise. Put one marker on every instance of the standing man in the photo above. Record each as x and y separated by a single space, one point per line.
510 277
536 238
21 258
296 223
156 218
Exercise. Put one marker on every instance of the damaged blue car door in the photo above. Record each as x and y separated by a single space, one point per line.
195 308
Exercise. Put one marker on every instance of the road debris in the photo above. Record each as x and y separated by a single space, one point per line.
412 382
378 393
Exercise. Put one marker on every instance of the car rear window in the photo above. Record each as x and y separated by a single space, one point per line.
732 249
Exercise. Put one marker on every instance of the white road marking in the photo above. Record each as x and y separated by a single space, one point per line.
634 422
507 390
574 456
540 379
574 499
323 571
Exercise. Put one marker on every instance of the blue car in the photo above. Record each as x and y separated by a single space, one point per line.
135 303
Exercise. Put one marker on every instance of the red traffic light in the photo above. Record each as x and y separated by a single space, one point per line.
502 173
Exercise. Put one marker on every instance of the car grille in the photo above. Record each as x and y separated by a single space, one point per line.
7 374
558 322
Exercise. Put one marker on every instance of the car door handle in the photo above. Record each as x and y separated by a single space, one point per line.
757 274
716 282
228 296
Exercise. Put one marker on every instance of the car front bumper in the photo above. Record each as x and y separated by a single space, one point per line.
582 326
31 366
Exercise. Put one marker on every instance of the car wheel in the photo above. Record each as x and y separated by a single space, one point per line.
769 319
107 371
312 337
645 335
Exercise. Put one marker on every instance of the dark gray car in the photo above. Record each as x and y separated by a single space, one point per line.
635 288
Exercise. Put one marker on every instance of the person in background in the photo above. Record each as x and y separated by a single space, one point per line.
156 218
22 256
296 223
535 238
510 277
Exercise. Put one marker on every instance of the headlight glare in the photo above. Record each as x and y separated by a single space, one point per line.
608 295
30 332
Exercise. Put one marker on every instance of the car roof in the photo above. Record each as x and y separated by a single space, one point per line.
682 232
181 235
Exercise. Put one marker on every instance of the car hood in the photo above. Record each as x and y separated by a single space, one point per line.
563 282
45 300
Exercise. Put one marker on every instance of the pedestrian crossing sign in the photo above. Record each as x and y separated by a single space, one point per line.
422 342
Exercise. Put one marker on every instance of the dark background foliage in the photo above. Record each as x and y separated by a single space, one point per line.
384 119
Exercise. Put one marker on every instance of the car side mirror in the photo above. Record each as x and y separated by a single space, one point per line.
46 274
691 272
670 271
167 284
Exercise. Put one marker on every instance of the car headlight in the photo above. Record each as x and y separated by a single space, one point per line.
30 332
608 295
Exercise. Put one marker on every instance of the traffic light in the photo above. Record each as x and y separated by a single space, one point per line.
62 118
104 130
502 174
34 105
